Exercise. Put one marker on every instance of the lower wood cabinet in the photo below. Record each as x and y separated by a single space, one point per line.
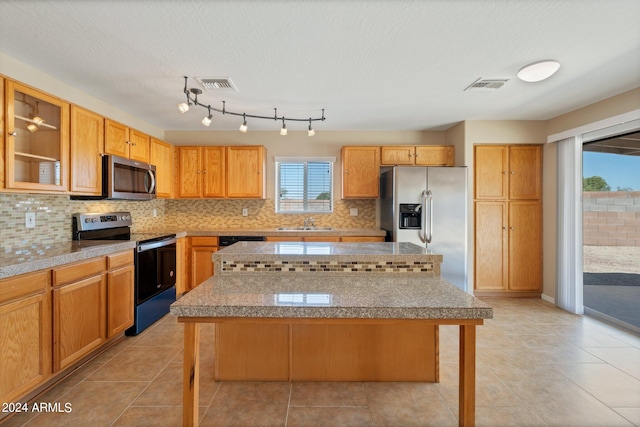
200 250
79 325
51 319
25 338
120 292
508 249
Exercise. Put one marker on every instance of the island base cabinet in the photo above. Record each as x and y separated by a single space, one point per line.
25 345
326 352
252 352
354 352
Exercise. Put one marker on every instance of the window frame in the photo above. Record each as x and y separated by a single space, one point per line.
305 185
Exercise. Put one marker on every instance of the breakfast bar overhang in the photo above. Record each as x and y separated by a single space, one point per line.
374 291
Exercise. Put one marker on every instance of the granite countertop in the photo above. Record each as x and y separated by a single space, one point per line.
268 232
35 258
343 296
314 249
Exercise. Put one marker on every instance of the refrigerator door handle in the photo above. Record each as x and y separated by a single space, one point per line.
429 201
423 220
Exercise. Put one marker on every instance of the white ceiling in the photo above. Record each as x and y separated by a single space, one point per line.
372 65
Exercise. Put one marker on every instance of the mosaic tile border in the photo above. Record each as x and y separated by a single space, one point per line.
279 266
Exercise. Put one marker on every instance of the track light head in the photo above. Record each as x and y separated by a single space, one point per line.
183 107
243 126
283 131
311 131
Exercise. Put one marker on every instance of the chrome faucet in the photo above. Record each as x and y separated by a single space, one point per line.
309 222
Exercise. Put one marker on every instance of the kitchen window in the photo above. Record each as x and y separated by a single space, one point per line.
304 185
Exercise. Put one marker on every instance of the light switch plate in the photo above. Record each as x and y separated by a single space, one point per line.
353 211
30 220
245 211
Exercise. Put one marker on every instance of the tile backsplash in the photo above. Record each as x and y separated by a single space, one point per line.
53 216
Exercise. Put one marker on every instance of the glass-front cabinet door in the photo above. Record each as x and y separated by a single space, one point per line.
37 140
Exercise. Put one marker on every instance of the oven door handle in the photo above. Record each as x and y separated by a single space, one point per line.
155 244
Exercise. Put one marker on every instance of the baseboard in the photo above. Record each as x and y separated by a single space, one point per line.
548 299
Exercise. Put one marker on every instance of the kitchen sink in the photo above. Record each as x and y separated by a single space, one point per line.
304 229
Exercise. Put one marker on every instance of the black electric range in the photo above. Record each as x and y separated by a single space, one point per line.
155 262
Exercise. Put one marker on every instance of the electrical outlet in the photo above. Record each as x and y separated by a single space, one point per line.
353 211
245 212
30 220
155 213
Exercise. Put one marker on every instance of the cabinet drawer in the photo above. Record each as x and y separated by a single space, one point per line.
25 284
119 259
73 272
204 241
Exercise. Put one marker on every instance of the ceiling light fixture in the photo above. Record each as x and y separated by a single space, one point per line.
538 71
192 99
243 126
207 120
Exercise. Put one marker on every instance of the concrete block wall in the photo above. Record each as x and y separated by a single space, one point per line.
611 218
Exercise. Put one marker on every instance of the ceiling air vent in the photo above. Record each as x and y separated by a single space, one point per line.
216 83
485 84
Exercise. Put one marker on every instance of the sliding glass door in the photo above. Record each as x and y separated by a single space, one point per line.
611 229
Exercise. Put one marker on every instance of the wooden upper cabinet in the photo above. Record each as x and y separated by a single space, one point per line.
246 172
202 172
436 155
490 166
214 174
116 139
508 172
421 155
139 147
162 157
37 140
360 172
87 141
2 134
397 155
129 143
190 170
525 172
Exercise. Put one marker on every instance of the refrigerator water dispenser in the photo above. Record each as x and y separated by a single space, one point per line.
410 216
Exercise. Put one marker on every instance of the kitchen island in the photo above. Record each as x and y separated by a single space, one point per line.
328 312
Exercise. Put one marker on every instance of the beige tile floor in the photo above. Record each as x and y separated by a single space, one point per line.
536 366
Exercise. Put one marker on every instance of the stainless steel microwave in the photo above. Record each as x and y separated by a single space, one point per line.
125 179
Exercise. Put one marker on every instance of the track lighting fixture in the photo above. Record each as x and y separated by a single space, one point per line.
243 126
207 120
192 99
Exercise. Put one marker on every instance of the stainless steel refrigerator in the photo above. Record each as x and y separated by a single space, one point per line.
428 206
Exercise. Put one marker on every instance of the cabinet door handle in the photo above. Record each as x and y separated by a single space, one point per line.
14 133
204 171
504 228
505 173
513 172
512 228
